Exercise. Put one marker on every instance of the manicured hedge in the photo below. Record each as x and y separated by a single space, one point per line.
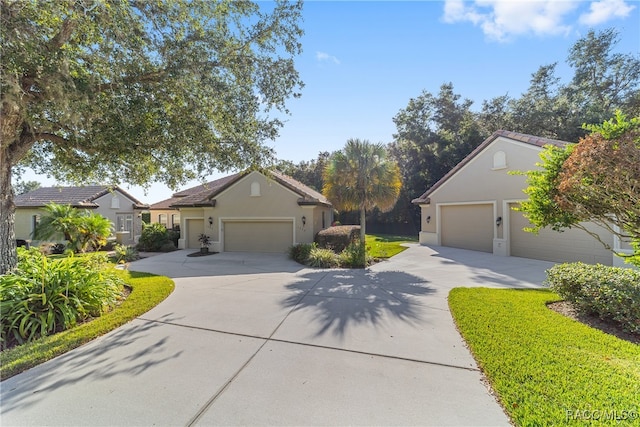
337 238
611 293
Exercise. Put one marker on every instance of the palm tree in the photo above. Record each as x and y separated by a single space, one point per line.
359 177
93 230
59 219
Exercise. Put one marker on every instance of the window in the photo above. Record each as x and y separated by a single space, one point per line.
124 222
162 219
175 221
115 202
499 160
255 189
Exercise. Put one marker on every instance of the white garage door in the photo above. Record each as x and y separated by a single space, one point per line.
569 246
467 227
263 236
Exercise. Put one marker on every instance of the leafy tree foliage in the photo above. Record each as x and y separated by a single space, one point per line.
596 180
309 173
359 177
23 187
433 134
140 91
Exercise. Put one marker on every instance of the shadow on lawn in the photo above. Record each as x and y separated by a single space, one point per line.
345 298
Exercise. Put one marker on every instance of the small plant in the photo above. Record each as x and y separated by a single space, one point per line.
125 253
300 252
205 241
322 258
355 256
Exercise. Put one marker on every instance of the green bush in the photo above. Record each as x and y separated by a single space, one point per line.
300 252
323 258
125 253
43 296
338 238
153 238
612 293
355 256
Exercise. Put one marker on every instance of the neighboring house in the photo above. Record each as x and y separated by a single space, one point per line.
251 212
163 213
472 208
122 209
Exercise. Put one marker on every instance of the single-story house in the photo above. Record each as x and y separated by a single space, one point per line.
472 207
251 212
112 202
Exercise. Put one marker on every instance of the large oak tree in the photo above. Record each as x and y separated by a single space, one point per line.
140 91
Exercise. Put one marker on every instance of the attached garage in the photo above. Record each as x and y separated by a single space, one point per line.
468 226
258 236
569 246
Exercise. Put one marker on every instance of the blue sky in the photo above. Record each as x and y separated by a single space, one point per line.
364 60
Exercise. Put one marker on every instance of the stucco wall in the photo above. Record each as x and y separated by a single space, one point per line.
256 197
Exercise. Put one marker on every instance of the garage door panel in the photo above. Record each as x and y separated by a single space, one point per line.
467 227
258 236
568 246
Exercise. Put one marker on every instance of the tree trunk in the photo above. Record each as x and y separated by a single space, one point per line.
8 256
363 220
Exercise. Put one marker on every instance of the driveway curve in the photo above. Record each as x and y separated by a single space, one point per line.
257 339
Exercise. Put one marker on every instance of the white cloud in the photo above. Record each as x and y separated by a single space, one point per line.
605 10
325 57
502 20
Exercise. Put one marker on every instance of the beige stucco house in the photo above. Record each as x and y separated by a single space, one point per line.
164 213
122 209
253 212
472 208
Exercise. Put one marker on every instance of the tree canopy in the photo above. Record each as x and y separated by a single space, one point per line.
140 91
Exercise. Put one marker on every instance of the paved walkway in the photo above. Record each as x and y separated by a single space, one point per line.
255 339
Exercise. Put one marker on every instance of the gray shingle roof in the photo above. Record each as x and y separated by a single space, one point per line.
79 197
521 137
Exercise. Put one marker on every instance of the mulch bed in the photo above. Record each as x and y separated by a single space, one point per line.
609 327
197 254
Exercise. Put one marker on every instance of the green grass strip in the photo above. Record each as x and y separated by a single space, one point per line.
547 369
147 291
386 246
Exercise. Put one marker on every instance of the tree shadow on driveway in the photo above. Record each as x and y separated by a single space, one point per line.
341 299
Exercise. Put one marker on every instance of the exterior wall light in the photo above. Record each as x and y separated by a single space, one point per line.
210 221
428 219
498 221
304 220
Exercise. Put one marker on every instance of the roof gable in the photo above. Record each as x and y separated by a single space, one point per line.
205 194
514 136
79 197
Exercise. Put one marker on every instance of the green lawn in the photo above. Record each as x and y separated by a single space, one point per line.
546 368
147 291
386 246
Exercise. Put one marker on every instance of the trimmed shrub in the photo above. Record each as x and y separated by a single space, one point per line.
154 237
300 252
611 293
42 296
323 258
338 238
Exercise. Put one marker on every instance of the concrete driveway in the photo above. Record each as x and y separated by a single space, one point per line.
256 339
